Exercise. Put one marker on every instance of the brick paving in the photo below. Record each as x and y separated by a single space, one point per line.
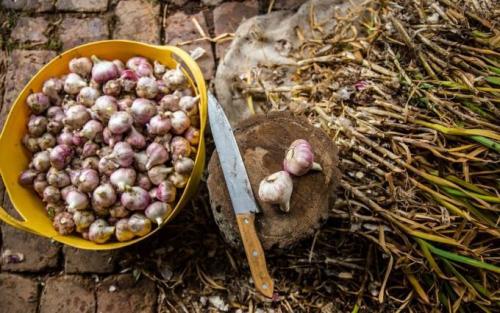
51 278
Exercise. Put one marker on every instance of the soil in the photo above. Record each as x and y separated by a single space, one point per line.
263 140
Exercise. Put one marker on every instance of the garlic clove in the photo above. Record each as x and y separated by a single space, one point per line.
277 189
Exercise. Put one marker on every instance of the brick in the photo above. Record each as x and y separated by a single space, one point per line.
138 20
29 5
68 293
120 293
84 261
76 31
22 66
18 294
180 28
82 6
227 18
39 253
30 30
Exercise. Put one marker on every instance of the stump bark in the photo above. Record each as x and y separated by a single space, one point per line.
263 141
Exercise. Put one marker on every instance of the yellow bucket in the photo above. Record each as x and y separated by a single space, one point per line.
14 158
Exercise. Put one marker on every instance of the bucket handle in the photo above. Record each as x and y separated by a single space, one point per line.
22 225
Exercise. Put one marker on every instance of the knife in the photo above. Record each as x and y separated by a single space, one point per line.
241 194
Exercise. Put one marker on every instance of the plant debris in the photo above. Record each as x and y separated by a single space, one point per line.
409 91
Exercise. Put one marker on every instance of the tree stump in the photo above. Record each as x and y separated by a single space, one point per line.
263 141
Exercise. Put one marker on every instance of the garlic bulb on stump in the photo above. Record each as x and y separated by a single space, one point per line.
299 158
277 189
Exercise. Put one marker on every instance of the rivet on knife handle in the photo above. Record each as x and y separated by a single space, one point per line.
255 254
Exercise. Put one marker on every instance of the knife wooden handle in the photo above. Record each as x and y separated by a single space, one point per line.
255 254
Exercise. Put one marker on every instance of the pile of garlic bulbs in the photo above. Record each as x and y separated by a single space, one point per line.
112 143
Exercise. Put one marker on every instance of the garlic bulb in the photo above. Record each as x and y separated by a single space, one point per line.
100 231
51 194
180 122
179 180
175 77
38 102
184 165
165 192
122 231
87 96
277 189
74 83
81 66
158 211
139 225
83 220
299 158
27 177
76 201
63 223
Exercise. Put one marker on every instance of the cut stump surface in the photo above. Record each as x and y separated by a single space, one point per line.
263 141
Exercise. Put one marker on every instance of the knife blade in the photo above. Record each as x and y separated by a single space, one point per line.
240 192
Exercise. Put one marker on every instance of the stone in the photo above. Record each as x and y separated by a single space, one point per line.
23 64
77 31
121 293
18 294
30 30
180 28
87 261
227 18
68 293
38 253
138 20
29 5
82 6
288 4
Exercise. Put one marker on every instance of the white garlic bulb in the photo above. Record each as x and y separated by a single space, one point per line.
277 189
